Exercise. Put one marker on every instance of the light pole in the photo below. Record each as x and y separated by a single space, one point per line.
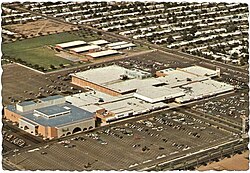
210 154
197 161
171 166
221 151
244 120
184 164
232 146
16 156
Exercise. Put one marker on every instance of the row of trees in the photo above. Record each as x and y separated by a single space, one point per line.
34 66
20 61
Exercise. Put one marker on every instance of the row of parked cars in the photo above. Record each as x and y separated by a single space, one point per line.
13 139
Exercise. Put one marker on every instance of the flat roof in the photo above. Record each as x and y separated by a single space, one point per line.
102 53
116 43
90 97
164 71
51 110
51 98
200 71
178 77
132 84
158 93
109 77
71 44
76 114
85 48
91 108
202 89
123 46
26 103
99 42
28 121
102 76
131 105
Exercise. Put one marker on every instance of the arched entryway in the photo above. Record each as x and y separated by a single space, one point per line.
77 129
84 129
26 128
90 127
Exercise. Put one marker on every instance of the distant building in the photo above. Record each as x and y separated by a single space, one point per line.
99 42
70 44
102 54
89 48
124 46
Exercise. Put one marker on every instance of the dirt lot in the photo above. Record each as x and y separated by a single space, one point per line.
39 26
236 163
20 83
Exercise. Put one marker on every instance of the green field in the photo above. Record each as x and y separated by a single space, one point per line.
35 50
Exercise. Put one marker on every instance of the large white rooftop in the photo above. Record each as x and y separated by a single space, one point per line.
71 44
85 48
93 97
102 76
117 43
103 53
99 42
200 71
123 46
91 108
155 94
109 77
131 105
182 84
178 77
132 84
198 90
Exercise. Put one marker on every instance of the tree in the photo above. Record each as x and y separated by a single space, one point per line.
36 66
52 66
170 39
234 55
193 30
242 61
99 32
184 35
231 28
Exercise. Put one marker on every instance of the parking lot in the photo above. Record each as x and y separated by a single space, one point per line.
154 61
20 83
11 141
125 146
231 108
